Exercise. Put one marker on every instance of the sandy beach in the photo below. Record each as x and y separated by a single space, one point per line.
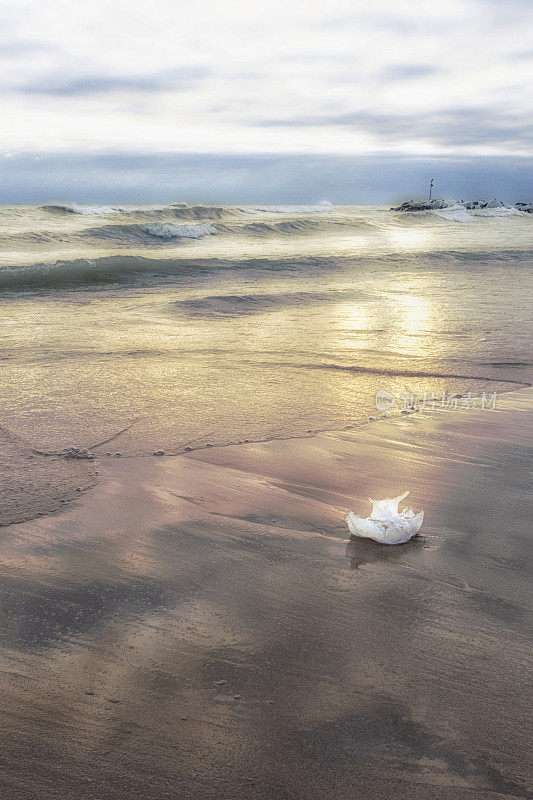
199 626
36 482
259 263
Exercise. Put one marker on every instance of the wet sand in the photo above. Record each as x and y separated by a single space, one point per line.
198 626
34 483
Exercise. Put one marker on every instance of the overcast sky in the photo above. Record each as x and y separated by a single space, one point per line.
296 82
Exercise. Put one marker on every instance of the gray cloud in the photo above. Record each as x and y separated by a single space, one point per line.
170 80
402 72
507 13
456 126
23 48
306 84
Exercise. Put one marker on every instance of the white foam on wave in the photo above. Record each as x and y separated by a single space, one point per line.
502 211
171 230
325 205
98 210
74 208
458 213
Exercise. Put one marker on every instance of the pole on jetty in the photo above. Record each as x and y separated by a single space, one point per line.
430 188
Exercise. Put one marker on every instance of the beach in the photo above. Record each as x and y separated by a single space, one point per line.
191 400
200 626
266 400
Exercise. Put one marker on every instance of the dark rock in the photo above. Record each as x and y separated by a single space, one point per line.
470 205
420 205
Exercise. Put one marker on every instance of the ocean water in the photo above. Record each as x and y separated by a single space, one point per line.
133 329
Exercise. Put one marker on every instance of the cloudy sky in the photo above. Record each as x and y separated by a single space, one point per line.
110 99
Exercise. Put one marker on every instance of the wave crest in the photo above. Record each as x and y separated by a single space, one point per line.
459 213
180 210
325 205
170 230
86 272
74 208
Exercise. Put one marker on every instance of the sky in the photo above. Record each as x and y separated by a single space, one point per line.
275 101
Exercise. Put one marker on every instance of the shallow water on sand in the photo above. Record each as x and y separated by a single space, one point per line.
118 326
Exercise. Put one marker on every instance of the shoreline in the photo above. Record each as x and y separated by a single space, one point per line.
56 480
201 623
34 483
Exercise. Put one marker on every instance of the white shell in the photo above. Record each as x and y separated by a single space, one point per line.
386 524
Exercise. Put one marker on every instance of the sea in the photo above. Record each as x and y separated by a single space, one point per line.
135 329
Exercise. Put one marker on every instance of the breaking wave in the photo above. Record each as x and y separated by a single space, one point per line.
130 230
168 230
325 205
292 226
459 213
74 208
152 233
179 210
183 211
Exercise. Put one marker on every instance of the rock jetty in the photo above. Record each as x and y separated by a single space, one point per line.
471 205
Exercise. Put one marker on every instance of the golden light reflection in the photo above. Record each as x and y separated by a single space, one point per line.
353 326
354 317
414 314
410 239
